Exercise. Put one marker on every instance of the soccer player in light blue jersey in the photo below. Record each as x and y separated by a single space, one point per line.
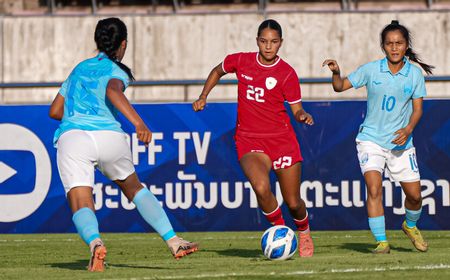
90 137
395 91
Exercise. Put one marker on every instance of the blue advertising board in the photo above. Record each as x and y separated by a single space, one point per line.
191 166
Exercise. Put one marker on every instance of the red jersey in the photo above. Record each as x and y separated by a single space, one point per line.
262 91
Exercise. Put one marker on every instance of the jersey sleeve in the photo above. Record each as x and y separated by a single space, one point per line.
419 89
64 87
119 74
358 78
291 89
230 63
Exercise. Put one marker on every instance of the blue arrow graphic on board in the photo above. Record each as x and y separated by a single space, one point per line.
6 172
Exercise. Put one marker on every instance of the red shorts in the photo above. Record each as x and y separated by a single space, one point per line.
284 150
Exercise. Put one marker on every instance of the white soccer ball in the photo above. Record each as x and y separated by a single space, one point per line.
279 243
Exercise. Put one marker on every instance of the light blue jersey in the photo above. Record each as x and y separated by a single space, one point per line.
389 100
86 106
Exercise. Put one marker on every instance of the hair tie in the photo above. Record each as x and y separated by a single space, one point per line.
395 22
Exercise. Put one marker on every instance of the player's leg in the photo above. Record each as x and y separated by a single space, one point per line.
375 211
413 208
289 179
372 162
402 167
76 155
152 212
116 163
82 204
256 167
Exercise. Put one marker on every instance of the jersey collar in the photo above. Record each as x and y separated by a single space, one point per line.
266 66
404 71
101 55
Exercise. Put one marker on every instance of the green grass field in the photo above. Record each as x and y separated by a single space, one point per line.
223 255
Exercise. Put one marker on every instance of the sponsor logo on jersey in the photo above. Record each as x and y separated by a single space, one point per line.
271 83
247 77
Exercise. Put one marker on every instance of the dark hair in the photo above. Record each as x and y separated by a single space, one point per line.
395 25
271 24
109 34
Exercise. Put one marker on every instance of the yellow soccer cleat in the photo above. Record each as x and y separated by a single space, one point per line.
416 237
382 248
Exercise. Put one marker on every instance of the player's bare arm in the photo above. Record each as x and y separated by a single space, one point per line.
404 133
339 83
118 99
57 108
212 80
300 114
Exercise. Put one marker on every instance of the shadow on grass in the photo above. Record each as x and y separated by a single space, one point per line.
82 265
136 266
368 247
76 265
402 249
243 253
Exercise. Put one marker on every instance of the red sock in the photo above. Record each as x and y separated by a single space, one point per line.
302 225
275 217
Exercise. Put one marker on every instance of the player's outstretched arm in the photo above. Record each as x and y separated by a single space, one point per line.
339 83
118 99
56 110
212 80
300 114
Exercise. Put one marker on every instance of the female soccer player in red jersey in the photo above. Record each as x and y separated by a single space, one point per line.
264 137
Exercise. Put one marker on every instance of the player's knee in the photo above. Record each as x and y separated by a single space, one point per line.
374 195
414 199
294 205
261 187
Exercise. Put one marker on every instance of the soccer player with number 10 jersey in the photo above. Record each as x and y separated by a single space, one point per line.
395 89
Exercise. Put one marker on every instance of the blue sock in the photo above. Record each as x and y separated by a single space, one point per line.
152 212
86 223
378 229
412 216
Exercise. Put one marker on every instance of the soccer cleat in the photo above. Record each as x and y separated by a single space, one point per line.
382 248
97 261
181 248
416 237
305 245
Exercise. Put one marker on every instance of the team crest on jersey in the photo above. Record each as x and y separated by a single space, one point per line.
271 83
407 89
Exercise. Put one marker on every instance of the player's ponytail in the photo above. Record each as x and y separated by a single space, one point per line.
395 25
109 34
414 57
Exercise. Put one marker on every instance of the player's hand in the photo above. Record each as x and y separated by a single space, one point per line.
199 104
402 136
304 117
143 133
333 65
